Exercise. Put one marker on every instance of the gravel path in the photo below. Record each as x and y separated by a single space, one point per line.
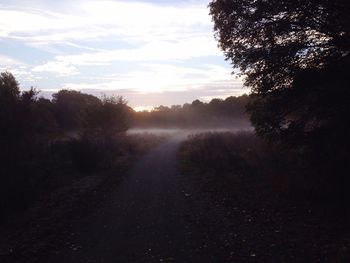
148 219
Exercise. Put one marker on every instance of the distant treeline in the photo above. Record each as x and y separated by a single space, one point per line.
230 112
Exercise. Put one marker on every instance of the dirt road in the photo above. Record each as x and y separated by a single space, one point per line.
147 219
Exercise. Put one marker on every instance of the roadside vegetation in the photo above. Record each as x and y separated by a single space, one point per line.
295 57
48 144
279 203
236 163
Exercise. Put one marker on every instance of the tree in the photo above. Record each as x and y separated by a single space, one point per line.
114 115
295 55
107 119
16 110
70 108
25 124
9 87
9 99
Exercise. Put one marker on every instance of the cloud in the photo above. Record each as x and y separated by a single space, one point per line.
155 51
16 67
6 61
62 68
150 32
159 50
91 20
155 77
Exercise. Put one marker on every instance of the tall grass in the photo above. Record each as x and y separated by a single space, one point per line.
237 161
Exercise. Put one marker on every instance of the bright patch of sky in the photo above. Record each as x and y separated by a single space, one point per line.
152 52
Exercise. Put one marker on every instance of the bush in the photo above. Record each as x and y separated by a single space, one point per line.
222 152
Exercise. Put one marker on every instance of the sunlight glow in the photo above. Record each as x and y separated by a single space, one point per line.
144 47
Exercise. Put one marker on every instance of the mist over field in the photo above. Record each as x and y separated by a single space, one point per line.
183 133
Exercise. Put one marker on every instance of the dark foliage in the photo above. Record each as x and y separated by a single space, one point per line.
44 142
296 57
70 106
109 117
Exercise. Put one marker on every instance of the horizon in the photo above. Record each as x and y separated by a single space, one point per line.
98 47
140 108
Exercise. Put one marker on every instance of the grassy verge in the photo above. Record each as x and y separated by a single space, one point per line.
241 164
269 197
228 160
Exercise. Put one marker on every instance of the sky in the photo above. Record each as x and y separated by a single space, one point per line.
151 52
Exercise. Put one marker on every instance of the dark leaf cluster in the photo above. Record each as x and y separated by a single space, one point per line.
295 55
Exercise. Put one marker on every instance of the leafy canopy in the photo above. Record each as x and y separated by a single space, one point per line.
271 40
295 55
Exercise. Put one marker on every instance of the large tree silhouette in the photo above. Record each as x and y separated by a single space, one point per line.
295 55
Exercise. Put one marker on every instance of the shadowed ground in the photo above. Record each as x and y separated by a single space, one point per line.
146 220
159 215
